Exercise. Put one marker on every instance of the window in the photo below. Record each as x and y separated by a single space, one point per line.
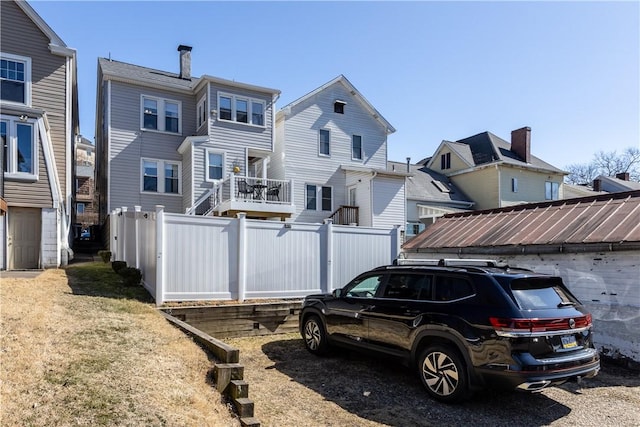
365 287
452 288
225 107
215 165
338 107
15 78
171 178
80 208
241 109
514 185
445 161
319 198
160 176
257 113
202 112
356 147
551 190
324 142
19 148
162 115
408 286
414 228
171 117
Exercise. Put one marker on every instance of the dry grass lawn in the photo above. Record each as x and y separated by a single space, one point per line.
76 348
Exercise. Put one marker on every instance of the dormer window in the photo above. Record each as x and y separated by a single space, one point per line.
338 106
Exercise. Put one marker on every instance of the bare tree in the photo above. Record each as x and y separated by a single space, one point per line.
606 163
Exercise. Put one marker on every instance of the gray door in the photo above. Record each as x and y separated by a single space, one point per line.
24 238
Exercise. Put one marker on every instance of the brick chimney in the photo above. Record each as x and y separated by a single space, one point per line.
521 143
623 176
185 62
597 185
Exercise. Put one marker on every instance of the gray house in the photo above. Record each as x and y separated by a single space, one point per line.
196 145
593 243
38 125
429 195
332 143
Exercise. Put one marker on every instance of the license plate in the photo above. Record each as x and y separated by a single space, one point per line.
568 341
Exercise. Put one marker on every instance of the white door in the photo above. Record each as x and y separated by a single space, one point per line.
24 238
352 196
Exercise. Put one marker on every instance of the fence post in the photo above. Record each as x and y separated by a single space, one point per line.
123 233
396 244
242 255
113 233
136 226
159 285
329 230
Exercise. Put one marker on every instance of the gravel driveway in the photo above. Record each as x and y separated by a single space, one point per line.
292 387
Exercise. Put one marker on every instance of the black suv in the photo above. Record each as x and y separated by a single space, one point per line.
464 324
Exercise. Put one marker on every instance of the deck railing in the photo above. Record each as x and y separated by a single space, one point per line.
345 215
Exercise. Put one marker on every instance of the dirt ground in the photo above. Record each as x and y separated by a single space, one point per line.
76 351
292 387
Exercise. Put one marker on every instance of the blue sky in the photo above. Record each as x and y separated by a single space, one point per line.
435 70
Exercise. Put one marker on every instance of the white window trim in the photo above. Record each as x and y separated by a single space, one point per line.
161 114
319 188
552 183
206 162
201 109
250 102
160 177
12 162
355 159
321 154
27 76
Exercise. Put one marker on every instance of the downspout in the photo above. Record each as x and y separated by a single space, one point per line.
373 176
274 98
499 187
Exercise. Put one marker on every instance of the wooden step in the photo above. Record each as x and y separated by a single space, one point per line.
238 389
249 422
225 372
244 407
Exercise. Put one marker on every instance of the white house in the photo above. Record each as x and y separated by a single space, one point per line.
332 144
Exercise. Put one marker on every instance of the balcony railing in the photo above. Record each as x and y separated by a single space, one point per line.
262 197
345 215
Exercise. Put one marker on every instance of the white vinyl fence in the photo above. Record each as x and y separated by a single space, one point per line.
192 258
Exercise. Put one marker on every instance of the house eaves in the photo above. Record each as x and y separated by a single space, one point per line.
502 163
389 129
380 172
245 86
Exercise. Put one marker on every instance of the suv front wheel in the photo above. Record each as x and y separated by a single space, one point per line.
315 338
443 374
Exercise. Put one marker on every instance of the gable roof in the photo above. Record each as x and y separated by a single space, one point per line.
613 184
611 219
354 92
486 147
40 23
425 185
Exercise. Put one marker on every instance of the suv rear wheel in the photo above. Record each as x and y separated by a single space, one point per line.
443 374
315 338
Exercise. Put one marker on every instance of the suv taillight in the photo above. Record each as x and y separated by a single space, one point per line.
539 325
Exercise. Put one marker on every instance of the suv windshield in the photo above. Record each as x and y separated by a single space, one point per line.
541 293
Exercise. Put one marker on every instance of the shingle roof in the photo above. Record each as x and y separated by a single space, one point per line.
420 186
609 218
112 68
613 184
486 148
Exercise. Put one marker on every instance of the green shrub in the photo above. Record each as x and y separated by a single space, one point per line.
118 265
130 276
105 255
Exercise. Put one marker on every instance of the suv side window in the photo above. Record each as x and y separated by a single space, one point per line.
365 287
450 288
408 286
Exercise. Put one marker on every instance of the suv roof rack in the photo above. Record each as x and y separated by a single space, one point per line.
449 262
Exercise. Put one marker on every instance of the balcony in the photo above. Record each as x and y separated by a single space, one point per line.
258 197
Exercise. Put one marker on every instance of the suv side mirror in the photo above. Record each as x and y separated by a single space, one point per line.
337 293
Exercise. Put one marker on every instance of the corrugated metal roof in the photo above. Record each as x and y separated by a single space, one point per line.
607 218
